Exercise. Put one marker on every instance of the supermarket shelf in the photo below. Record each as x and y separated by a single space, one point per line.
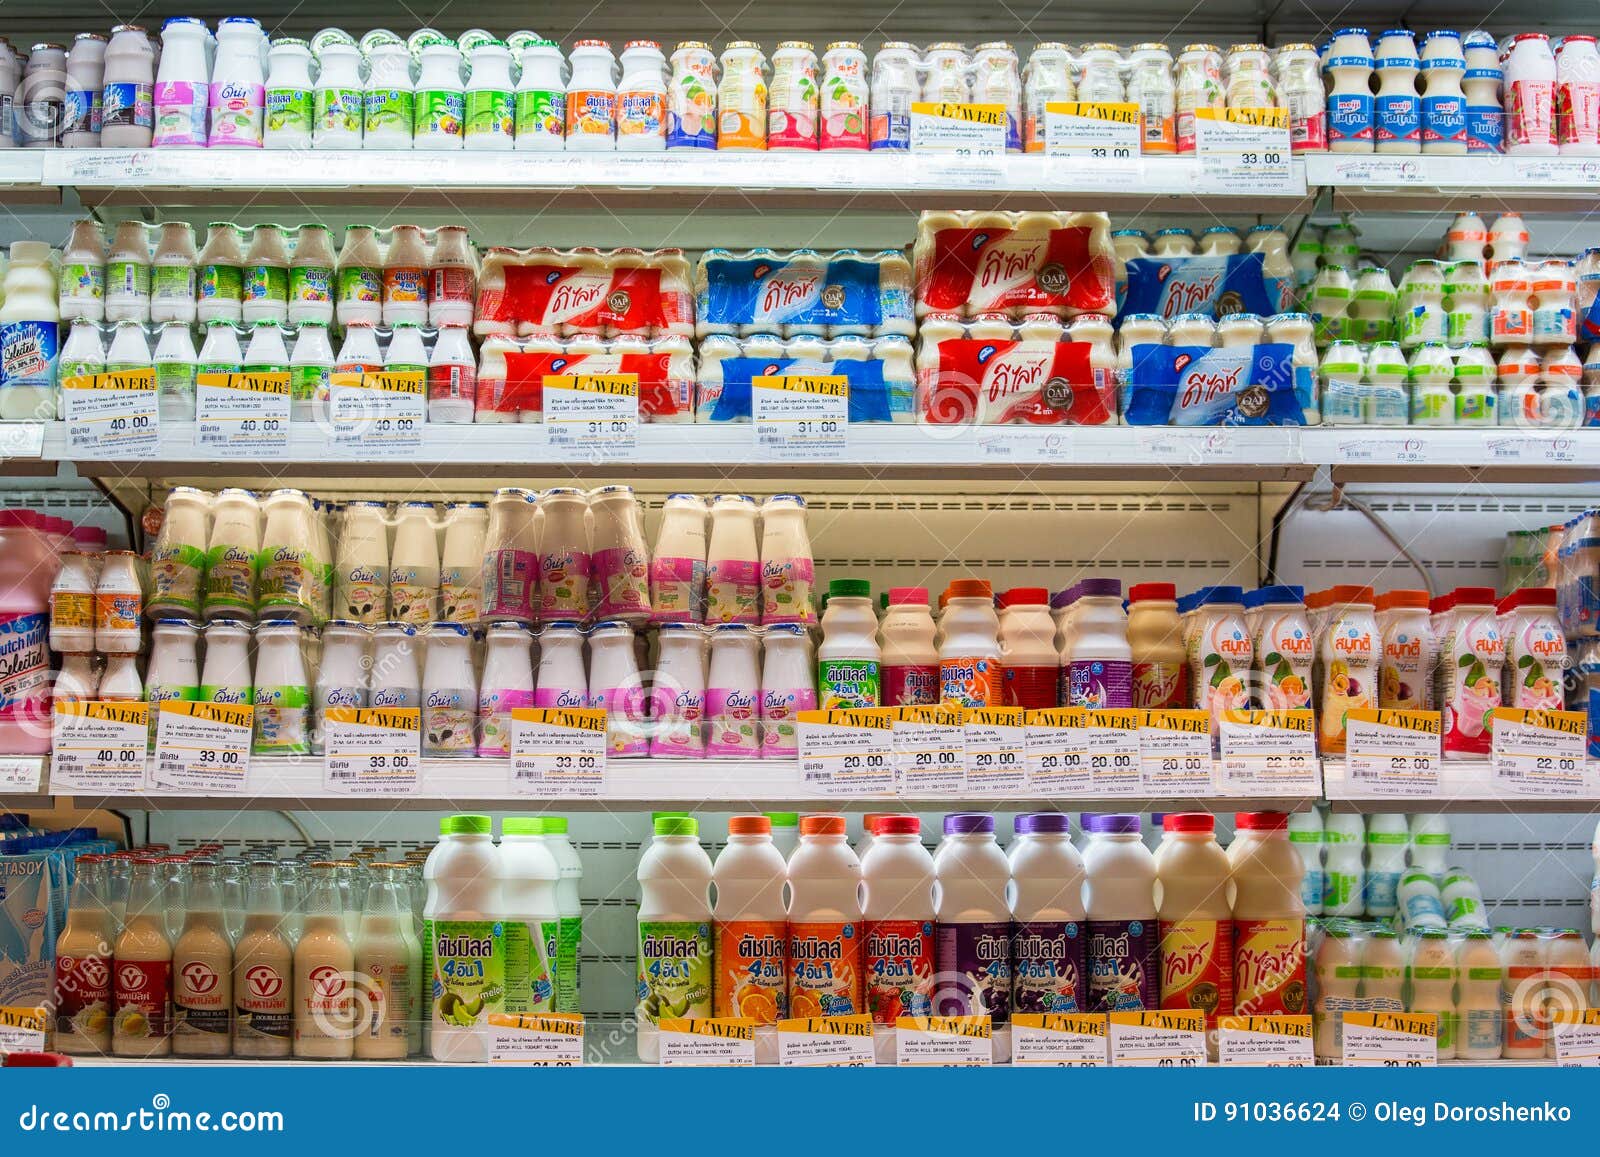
1373 182
1464 786
1424 454
22 178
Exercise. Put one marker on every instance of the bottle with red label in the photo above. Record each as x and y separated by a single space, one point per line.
1196 920
83 964
202 970
969 661
909 666
1269 939
751 931
141 973
1028 649
898 913
1155 640
825 966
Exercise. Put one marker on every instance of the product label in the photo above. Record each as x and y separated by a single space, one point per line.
569 942
180 113
28 351
540 113
1444 119
1349 117
389 110
564 584
899 958
337 110
675 969
1122 965
310 284
1158 685
127 106
236 114
280 720
1485 128
80 111
1031 687
531 952
438 112
641 114
118 612
143 1002
201 1001
465 971
82 283
174 283
24 669
970 681
265 283
751 974
846 683
490 113
825 969
1397 118
1049 966
1530 112
360 285
591 113
290 110
508 584
678 590
220 283
911 686
1269 959
261 1005
1197 966
1100 683
733 592
83 994
974 977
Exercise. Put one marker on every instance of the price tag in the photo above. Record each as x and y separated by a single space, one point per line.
1176 447
21 1029
930 751
549 1039
1408 451
21 439
1025 446
955 1041
1245 150
1541 752
1058 760
372 750
203 747
99 747
1577 1037
595 416
1534 171
1389 752
1269 753
378 415
20 774
1111 744
1271 1041
112 415
1164 1040
1174 753
1396 1040
1095 130
558 752
965 144
801 418
1071 1039
243 415
705 1041
996 744
848 753
1531 449
826 1041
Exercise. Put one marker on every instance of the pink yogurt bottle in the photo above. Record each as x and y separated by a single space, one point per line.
678 693
733 693
787 688
1471 659
614 684
27 568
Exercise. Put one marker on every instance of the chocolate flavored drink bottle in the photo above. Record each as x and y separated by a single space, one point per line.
324 997
263 971
1119 895
83 963
383 966
202 970
141 1018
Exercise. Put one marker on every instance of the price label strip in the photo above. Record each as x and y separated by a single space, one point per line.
112 415
1058 759
21 1029
20 774
953 1041
1265 1041
378 415
99 747
965 143
1270 753
826 1041
243 415
1541 752
372 750
1245 150
930 751
1062 1039
1167 1040
1396 1040
997 756
203 747
549 1039
595 416
1577 1037
1096 131
558 752
1410 451
848 752
1389 752
1174 753
698 1042
801 418
1532 449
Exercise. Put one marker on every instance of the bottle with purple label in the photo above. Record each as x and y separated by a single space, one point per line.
972 938
733 690
1119 899
678 693
507 684
787 689
614 685
1100 663
1049 936
561 681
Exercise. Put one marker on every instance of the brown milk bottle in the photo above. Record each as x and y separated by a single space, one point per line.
324 966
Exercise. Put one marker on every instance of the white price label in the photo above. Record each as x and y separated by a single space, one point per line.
1110 741
1058 761
1534 171
1532 449
847 752
99 747
21 440
1245 150
1541 752
378 415
112 415
1174 753
372 750
1577 1037
955 1041
1269 753
1175 1040
801 418
592 415
930 751
1269 1041
243 415
20 774
22 1030
826 1041
1400 450
694 1042
203 747
558 752
1069 1039
1176 447
996 742
1396 1040
961 145
1389 752
550 1040
1094 130
1025 445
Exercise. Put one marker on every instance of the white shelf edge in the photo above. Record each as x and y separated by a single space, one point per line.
1464 784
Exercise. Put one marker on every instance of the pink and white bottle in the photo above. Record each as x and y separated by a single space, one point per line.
678 693
615 685
1530 95
733 564
507 684
564 560
237 94
788 573
732 693
561 681
1578 97
787 688
1471 658
27 568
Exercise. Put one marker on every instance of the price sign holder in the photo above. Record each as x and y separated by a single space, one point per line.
826 1041
592 415
374 751
112 415
847 752
1058 760
1390 752
1174 753
558 752
1541 753
547 1039
1396 1040
801 417
697 1042
1150 1039
1099 131
1062 1039
1532 449
379 414
1268 1041
1245 150
242 415
20 774
99 747
22 1030
965 144
1577 1037
996 751
1269 753
203 747
951 1041
930 751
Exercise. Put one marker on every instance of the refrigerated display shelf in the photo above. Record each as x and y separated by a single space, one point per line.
1466 785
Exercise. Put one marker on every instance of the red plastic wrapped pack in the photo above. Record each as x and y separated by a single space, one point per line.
565 293
1014 263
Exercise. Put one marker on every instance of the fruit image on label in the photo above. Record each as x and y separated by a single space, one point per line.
899 969
974 976
1047 962
825 969
1197 966
1269 960
751 973
675 965
468 981
970 681
142 999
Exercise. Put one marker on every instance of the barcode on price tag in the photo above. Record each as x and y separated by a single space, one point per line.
1245 150
801 417
1391 752
243 415
996 751
1396 1040
596 415
1098 130
558 752
1541 752
1174 753
378 414
99 747
1058 758
372 750
848 752
112 415
930 750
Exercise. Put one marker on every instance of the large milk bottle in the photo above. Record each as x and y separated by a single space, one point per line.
848 661
1196 920
970 672
183 84
1049 935
825 966
675 952
752 934
1100 660
973 946
465 943
1269 938
1156 644
1119 898
1028 653
897 911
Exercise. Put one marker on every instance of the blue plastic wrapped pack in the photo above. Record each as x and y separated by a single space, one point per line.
1168 286
763 291
879 373
1199 386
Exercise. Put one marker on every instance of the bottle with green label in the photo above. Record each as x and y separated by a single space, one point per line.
440 107
310 372
490 109
175 369
848 661
464 941
390 103
674 974
530 878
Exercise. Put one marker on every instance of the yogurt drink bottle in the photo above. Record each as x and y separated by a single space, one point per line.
692 97
182 90
787 688
225 676
742 98
1220 655
173 672
439 106
388 101
678 563
849 659
237 92
1032 672
127 113
1479 1015
83 274
414 564
909 672
898 955
825 966
141 1008
1531 77
461 562
289 100
464 946
1471 656
341 675
591 123
219 280
1481 83
1119 897
733 566
642 98
1397 109
1284 647
1536 652
1431 980
676 969
1195 917
1306 836
450 692
1344 871
1347 660
1387 838
844 100
569 903
894 88
1100 666
751 931
1158 676
361 566
1405 678
733 692
1568 978
263 971
1338 969
564 558
1269 919
620 561
1049 937
386 952
83 963
1444 104
970 670
615 686
540 98
1349 65
172 283
973 934
529 877
396 679
452 279
787 569
678 693
281 691
202 970
561 680
489 107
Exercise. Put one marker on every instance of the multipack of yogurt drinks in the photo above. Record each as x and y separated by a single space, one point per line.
565 293
803 293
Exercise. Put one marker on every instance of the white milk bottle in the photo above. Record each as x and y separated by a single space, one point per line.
675 958
388 102
733 567
219 282
361 566
909 670
1387 837
529 877
127 274
1196 919
1397 109
465 944
450 692
591 110
127 114
489 109
825 965
970 671
752 935
1049 938
414 564
507 684
614 685
396 677
1032 675
678 693
324 961
1268 919
788 687
564 558
540 99
1119 897
733 691
183 84
1306 836
282 693
1481 1018
642 98
466 527
1431 977
560 680
290 104
1344 873
238 86
897 903
787 571
849 661
973 934
225 676
341 674
678 562
172 282
440 103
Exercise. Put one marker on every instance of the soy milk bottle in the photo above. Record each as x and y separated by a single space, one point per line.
676 969
141 1010
202 970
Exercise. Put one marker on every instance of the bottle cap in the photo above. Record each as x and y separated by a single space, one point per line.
971 589
898 825
1261 821
1043 823
1100 588
1110 823
465 826
822 825
1474 596
968 823
1188 822
676 826
847 588
908 596
1152 592
749 826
